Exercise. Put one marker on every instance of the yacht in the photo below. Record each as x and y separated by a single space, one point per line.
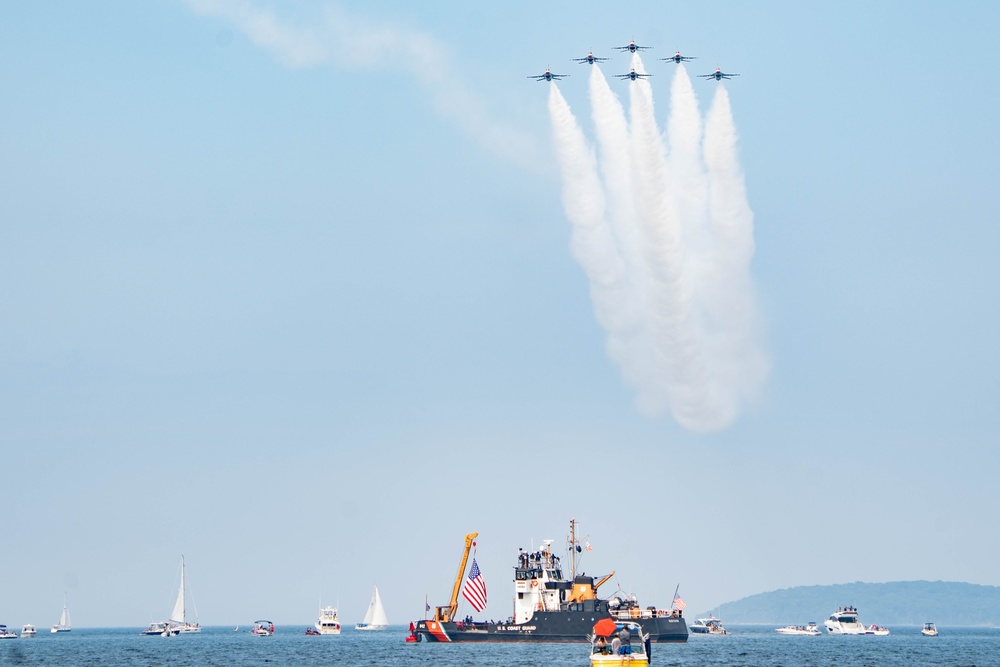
28 631
7 634
811 630
845 622
708 626
328 622
929 630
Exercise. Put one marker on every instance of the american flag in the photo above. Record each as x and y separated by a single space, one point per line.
475 588
678 602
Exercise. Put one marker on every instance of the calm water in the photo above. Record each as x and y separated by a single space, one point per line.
746 646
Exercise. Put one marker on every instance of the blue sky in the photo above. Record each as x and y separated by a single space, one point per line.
294 297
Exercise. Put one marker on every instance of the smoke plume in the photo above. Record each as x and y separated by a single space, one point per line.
663 230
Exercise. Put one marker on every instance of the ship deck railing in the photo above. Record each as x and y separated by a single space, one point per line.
634 613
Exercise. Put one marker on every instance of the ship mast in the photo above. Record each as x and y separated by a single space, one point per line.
572 549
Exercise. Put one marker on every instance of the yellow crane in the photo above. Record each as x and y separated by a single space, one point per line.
444 614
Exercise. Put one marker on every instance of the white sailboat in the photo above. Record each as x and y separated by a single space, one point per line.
375 618
178 617
64 623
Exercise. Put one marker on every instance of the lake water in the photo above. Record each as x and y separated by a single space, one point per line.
750 646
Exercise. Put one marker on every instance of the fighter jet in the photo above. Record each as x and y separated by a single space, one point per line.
590 59
678 58
548 76
633 47
718 75
633 75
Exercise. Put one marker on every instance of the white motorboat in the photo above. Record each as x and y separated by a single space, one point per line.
929 630
262 629
375 618
28 630
5 633
328 622
161 629
64 623
877 630
811 630
708 626
845 622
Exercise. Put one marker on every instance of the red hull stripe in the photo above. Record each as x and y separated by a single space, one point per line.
438 632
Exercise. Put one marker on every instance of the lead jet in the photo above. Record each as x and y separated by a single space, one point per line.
590 59
548 76
718 75
678 58
633 47
633 75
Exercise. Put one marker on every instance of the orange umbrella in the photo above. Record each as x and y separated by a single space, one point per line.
605 627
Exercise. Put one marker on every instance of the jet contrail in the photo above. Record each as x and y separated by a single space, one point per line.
664 233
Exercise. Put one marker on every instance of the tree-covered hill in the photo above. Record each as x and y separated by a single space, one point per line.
893 603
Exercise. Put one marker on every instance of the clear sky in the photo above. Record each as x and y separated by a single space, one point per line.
287 288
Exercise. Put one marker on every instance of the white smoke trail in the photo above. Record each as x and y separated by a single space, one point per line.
673 287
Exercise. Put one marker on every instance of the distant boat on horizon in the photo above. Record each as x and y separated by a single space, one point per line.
64 623
375 618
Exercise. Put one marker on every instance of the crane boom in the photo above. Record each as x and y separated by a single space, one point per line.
445 614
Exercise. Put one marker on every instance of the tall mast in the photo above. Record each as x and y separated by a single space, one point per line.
572 549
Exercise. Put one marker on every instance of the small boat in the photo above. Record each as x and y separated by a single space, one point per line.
708 626
7 634
375 618
845 622
312 632
161 629
328 622
811 630
929 630
877 630
262 628
64 624
614 643
28 631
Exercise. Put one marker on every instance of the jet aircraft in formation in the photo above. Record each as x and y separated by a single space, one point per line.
590 59
678 58
633 75
548 76
632 47
718 75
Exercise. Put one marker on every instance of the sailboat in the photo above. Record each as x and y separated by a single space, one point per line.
177 623
178 617
64 624
375 618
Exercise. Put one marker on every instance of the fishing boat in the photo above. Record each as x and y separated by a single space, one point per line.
550 607
28 630
262 629
708 626
811 630
929 630
375 618
64 623
5 633
328 622
614 644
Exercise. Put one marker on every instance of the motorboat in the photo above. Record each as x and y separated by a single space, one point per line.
312 632
877 630
616 643
262 628
845 622
6 633
28 631
811 630
328 622
929 630
708 626
161 629
375 618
